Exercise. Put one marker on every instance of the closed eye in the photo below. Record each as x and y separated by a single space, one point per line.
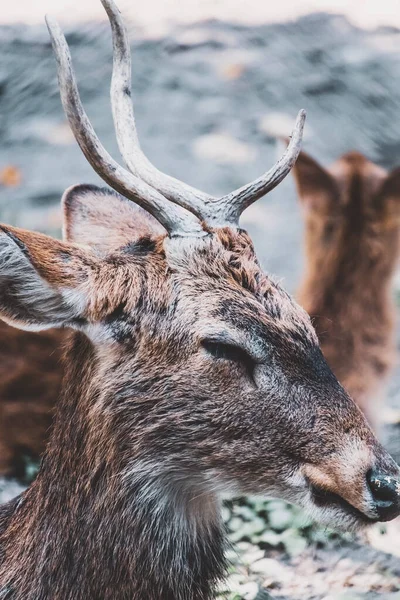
232 353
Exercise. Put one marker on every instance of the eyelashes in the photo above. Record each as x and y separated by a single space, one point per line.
232 353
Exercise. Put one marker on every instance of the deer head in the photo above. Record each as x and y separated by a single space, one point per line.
352 223
192 372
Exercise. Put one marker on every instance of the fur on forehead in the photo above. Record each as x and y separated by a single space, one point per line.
226 253
151 263
226 261
137 257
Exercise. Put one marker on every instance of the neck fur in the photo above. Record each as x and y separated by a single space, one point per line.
99 524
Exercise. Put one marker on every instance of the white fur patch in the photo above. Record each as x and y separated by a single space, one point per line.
28 301
192 502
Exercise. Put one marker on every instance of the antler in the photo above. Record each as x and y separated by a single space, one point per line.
125 127
177 221
144 183
214 211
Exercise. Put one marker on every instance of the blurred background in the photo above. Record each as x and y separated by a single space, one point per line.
214 83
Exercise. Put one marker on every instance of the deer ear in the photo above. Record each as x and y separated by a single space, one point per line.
42 280
388 198
104 220
316 187
391 185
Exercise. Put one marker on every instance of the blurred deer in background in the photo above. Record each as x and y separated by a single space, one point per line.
352 219
190 372
30 383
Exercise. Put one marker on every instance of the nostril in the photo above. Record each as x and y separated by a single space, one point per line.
383 487
385 490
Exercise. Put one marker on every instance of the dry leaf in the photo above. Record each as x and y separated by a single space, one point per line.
10 176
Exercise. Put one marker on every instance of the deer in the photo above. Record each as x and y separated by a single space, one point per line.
352 246
189 372
30 383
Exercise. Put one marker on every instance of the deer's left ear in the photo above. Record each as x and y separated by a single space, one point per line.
43 281
316 187
104 220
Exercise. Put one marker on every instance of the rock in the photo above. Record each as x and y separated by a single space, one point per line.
226 514
223 148
252 555
281 518
263 595
38 130
385 538
235 523
259 505
243 546
249 590
9 489
271 569
236 586
363 596
294 542
280 125
270 538
345 596
198 37
245 512
246 529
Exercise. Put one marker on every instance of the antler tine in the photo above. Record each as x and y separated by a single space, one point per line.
176 220
232 205
124 120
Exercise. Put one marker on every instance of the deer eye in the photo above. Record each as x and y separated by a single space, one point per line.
232 353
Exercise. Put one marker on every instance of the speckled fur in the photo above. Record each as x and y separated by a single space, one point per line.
352 216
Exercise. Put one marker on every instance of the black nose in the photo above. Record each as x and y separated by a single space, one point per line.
385 490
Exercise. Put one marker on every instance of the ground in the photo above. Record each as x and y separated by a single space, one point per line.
210 100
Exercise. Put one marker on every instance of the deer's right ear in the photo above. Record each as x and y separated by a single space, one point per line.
42 280
104 220
316 187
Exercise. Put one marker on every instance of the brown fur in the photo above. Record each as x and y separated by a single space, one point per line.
30 382
152 424
352 218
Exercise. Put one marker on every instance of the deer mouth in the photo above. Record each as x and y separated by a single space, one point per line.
325 499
